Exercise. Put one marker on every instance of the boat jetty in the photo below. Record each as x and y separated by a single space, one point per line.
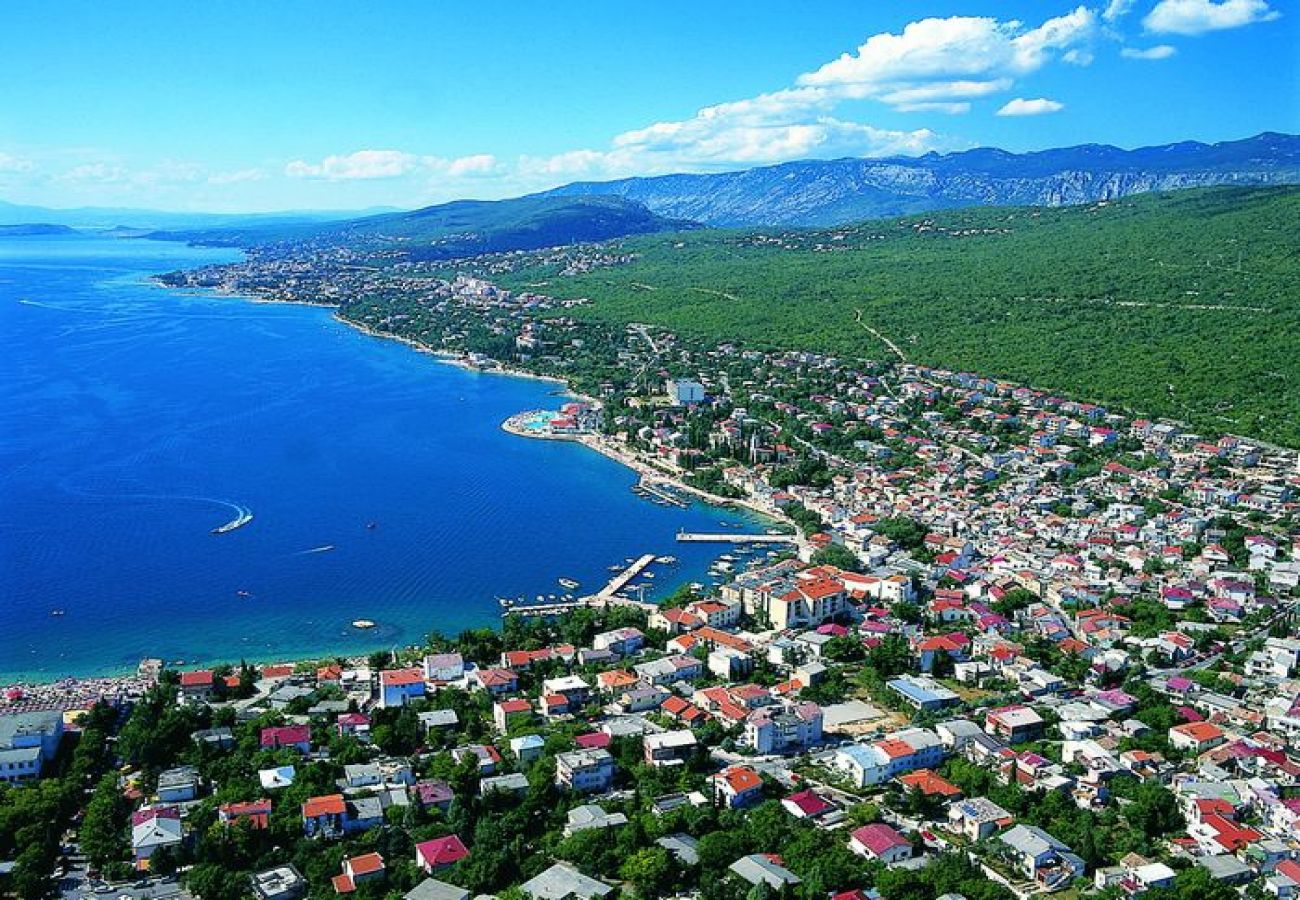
610 595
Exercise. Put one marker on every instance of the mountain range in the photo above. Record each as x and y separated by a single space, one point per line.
457 229
832 192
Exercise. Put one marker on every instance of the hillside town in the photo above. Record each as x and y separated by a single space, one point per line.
1022 645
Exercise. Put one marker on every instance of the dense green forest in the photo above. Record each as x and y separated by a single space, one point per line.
1183 304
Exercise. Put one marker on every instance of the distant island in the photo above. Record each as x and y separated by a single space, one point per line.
37 229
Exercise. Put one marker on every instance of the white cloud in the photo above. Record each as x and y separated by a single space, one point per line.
1023 107
1193 17
1159 51
1117 9
10 163
479 164
237 177
361 164
103 173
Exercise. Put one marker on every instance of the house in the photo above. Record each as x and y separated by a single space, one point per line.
620 641
771 729
217 738
255 814
297 737
435 719
152 829
527 748
764 868
563 882
978 818
1041 857
28 741
737 786
807 804
325 816
433 889
880 842
590 817
496 681
585 771
179 785
669 669
432 793
439 853
1196 737
573 688
923 693
510 712
1014 724
397 686
359 870
510 783
281 883
444 668
355 725
684 848
197 685
669 748
896 753
930 784
642 698
275 779
488 757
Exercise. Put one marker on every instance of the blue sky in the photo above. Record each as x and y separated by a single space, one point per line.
238 106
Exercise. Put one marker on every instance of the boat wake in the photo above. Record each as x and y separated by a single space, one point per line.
243 515
322 549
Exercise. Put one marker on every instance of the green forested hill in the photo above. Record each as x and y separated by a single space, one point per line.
1184 304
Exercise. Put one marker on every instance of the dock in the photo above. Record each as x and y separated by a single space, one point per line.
606 596
621 580
659 493
687 537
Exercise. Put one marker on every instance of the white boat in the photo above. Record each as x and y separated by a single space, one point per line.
567 583
363 624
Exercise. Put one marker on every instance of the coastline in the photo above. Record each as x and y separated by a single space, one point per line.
346 647
594 442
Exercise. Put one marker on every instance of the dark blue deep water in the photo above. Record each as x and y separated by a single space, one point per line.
134 419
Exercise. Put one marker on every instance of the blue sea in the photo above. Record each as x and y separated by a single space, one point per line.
135 419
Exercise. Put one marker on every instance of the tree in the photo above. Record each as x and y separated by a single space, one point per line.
650 870
103 830
839 556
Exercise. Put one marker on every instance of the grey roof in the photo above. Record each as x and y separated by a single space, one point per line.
1031 841
1225 867
282 881
682 846
922 690
157 832
24 756
438 718
511 781
433 889
46 722
590 815
757 868
562 882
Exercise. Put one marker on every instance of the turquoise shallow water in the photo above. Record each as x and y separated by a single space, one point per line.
133 420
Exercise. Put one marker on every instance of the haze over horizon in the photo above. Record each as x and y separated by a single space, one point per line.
273 109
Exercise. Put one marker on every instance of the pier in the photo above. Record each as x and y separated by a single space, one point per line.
606 596
659 493
620 581
687 537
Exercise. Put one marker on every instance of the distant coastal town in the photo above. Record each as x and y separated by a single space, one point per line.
1004 643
